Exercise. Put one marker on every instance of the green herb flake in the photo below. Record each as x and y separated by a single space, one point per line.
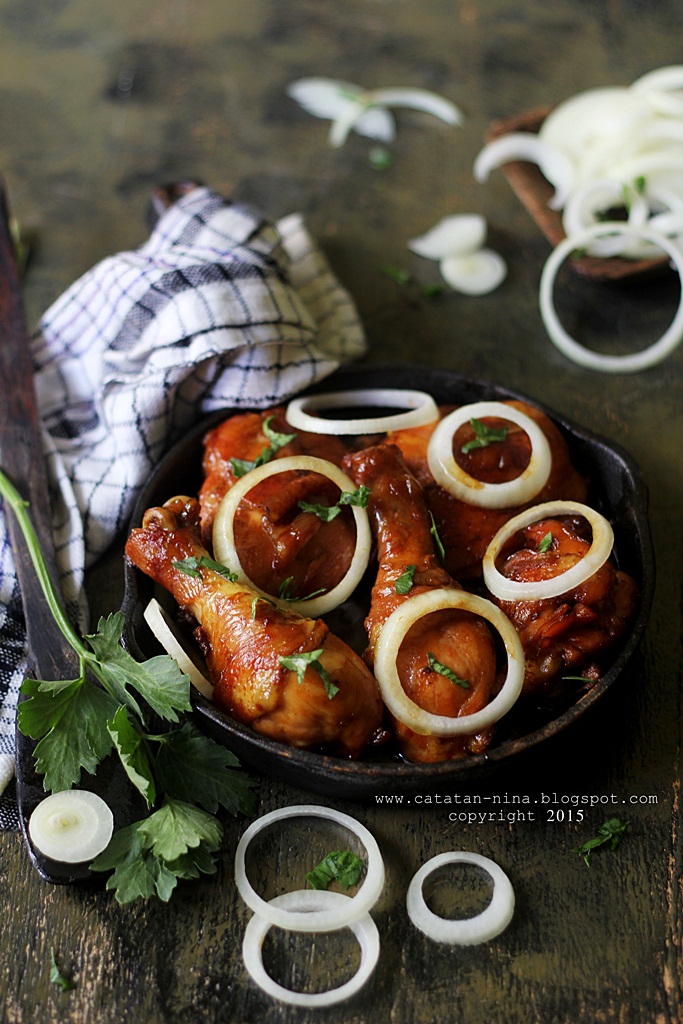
483 436
241 467
359 497
57 977
546 543
612 832
300 662
438 544
397 274
448 673
192 567
341 866
380 158
326 513
404 582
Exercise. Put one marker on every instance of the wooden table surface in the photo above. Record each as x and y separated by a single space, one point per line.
101 102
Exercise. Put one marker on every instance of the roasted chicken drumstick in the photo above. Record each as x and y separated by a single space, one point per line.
331 703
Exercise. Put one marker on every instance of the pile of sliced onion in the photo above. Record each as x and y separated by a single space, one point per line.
573 349
71 827
310 911
537 590
454 479
311 901
391 637
418 408
225 547
457 243
162 626
467 931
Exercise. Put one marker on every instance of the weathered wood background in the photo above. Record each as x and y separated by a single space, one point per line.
101 102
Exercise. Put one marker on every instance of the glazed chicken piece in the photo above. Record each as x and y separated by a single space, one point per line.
458 640
466 530
243 640
565 635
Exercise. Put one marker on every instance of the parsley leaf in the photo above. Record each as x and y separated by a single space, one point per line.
327 513
404 583
611 832
57 977
277 440
300 662
546 543
483 436
438 544
448 673
129 743
341 866
191 566
286 591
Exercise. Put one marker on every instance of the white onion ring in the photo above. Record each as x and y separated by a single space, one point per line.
72 826
537 590
562 340
468 931
454 479
332 918
308 900
420 408
160 624
388 645
593 198
555 166
225 547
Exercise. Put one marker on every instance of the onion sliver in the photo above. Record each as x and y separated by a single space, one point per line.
328 919
71 827
555 166
458 235
537 590
572 349
468 931
591 199
388 645
454 479
475 273
311 900
160 624
225 547
418 408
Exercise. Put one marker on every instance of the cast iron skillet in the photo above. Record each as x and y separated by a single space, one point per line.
616 488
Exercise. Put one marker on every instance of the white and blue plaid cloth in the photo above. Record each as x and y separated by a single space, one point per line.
218 309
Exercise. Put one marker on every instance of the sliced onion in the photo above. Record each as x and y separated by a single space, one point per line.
454 479
650 356
225 547
452 236
328 919
593 198
555 166
476 273
468 931
340 101
419 408
419 99
71 827
391 637
589 116
307 901
658 85
161 625
537 590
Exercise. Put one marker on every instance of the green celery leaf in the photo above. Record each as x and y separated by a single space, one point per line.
194 768
69 719
177 827
133 754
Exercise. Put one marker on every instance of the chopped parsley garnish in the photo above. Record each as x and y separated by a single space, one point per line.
191 566
611 832
440 550
57 977
276 441
286 591
309 659
546 543
448 673
404 583
483 436
327 513
341 866
79 722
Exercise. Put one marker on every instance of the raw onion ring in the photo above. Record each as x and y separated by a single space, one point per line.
332 918
467 931
571 348
537 590
225 547
72 826
306 900
454 479
420 408
160 624
391 637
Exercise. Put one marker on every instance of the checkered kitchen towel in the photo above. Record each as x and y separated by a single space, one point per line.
219 308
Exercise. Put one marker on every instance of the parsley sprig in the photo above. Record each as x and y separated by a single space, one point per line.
276 441
483 436
110 708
